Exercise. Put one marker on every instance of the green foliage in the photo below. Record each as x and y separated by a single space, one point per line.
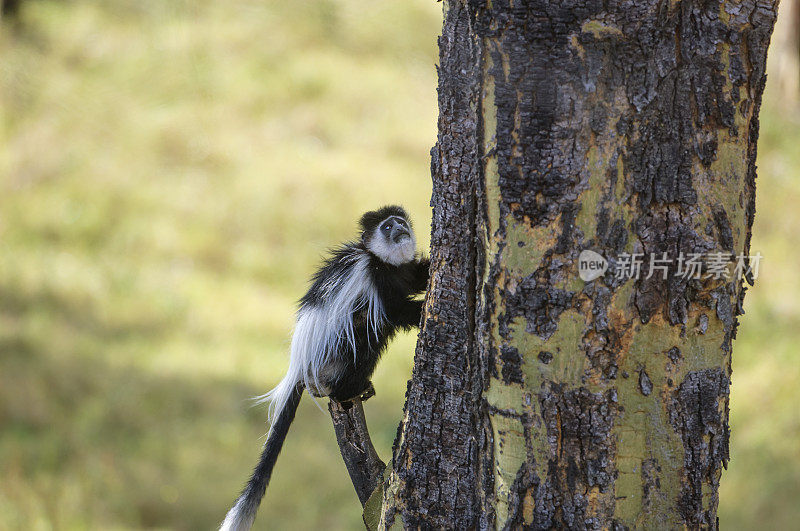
170 173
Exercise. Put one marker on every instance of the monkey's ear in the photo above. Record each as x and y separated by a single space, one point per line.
369 220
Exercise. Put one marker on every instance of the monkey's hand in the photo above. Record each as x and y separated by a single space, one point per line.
368 393
422 266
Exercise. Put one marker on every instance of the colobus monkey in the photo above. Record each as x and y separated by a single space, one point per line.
359 298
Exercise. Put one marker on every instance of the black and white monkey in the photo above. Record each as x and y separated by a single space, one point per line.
359 298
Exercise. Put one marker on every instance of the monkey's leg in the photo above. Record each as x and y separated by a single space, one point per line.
364 395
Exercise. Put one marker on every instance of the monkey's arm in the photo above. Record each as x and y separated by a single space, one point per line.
421 267
406 314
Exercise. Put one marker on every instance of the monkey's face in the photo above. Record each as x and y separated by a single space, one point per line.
392 241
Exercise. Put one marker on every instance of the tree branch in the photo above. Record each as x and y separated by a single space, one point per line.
360 457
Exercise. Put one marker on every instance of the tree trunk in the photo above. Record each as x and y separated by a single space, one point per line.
539 399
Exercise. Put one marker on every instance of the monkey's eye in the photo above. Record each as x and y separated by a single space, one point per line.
387 227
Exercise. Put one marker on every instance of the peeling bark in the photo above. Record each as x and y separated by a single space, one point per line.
539 400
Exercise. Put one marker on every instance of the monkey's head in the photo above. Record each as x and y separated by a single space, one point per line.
387 234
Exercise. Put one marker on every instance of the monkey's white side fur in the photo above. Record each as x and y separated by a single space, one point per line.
319 330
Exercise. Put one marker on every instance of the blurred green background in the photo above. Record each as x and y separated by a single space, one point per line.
170 173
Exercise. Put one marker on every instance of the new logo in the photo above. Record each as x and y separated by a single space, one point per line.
591 265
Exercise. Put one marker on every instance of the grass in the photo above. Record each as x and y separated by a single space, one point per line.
170 174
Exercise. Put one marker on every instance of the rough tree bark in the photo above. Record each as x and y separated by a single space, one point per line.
537 399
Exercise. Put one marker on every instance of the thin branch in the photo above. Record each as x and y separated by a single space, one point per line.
360 457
